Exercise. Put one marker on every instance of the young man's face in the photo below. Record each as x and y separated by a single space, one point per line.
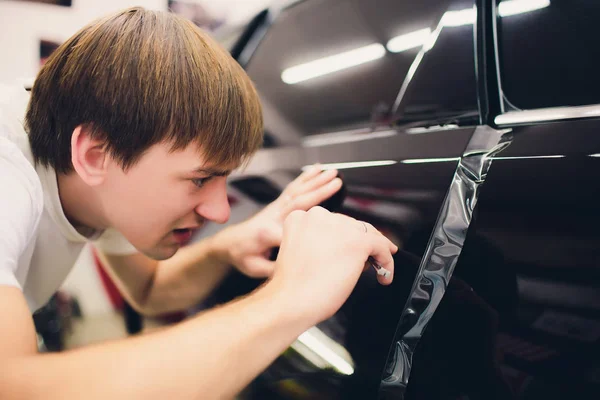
158 202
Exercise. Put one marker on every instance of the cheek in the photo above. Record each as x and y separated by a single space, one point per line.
166 207
132 201
149 205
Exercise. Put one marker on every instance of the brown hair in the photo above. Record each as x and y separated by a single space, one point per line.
137 78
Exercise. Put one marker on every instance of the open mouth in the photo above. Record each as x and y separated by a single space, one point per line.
183 236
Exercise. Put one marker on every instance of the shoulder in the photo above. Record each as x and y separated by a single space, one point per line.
16 165
22 202
21 207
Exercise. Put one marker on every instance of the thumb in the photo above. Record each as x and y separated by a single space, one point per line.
259 267
272 236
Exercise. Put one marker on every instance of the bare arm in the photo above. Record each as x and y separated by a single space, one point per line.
211 356
156 287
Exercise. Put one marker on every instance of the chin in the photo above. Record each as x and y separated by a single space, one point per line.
161 252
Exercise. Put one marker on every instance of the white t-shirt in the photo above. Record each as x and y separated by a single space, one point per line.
38 245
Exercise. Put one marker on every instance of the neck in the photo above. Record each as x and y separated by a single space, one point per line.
81 205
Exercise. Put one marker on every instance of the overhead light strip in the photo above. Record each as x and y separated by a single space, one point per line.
326 353
350 165
333 63
329 139
459 18
527 157
429 160
548 114
505 9
514 7
454 159
348 59
408 41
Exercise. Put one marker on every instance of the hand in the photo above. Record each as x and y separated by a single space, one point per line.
248 245
320 260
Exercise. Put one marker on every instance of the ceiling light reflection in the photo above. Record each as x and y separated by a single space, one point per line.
505 9
420 37
333 138
514 7
527 157
356 164
408 41
337 62
325 348
429 160
459 18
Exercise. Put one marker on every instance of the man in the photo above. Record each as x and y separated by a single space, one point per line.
132 128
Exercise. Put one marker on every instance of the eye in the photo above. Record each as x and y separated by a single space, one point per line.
200 182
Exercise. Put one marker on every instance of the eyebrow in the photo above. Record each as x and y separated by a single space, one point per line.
212 172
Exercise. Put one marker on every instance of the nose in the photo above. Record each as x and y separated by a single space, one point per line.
215 206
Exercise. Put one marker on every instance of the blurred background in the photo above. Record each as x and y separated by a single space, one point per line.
30 29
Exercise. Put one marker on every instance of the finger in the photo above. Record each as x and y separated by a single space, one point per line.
371 229
259 267
310 173
293 217
317 181
311 199
271 236
382 254
362 226
295 187
306 181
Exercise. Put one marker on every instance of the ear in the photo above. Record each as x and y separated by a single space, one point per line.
88 156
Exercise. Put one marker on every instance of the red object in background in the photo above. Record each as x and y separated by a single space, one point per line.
111 290
117 300
363 203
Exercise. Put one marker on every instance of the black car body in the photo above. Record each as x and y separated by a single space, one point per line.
479 151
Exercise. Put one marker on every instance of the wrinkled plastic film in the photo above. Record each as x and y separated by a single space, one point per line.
441 255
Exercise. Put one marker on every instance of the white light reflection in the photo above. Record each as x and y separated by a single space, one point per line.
337 62
505 9
459 18
450 159
328 350
335 138
408 41
420 37
514 7
594 155
527 157
356 164
428 129
429 160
